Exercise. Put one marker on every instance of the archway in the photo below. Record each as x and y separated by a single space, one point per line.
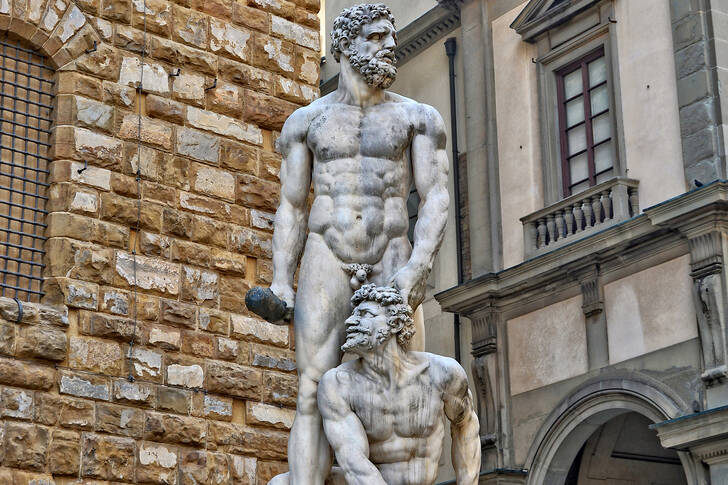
588 410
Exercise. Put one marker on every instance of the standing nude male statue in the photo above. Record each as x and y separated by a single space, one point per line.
361 147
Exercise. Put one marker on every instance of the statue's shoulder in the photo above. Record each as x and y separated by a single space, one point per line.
426 117
446 371
341 375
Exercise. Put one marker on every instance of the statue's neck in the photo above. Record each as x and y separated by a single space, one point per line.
386 363
354 90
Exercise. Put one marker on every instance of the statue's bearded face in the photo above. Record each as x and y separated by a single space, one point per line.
367 327
372 53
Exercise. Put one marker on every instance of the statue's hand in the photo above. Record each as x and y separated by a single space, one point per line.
285 293
407 281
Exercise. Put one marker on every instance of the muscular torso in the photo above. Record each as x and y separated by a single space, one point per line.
404 426
361 177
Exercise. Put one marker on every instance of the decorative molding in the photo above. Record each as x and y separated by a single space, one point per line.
414 38
541 15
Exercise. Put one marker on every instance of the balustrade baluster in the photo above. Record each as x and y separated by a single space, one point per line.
579 216
569 219
541 229
560 224
588 213
551 226
607 204
634 202
597 208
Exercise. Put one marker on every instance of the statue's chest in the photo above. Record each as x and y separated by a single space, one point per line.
411 411
383 131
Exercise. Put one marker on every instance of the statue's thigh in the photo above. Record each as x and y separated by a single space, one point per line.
322 305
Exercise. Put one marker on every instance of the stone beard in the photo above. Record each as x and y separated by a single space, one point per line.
378 70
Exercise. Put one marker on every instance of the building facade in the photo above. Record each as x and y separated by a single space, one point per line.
138 182
595 156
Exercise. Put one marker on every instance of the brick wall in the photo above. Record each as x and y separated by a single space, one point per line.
213 393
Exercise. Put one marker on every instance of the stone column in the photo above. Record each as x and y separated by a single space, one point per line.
596 321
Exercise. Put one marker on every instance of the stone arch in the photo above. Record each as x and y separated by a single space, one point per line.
58 29
587 408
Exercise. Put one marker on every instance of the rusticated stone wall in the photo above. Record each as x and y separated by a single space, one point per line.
213 391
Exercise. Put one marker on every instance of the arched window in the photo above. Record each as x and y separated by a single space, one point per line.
26 98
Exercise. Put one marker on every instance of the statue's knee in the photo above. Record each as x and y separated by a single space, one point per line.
306 399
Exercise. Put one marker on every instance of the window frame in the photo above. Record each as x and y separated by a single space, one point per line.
581 64
585 33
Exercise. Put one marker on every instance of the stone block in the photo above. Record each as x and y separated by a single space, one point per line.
41 342
190 253
233 380
273 358
170 428
699 146
198 145
105 62
221 9
138 393
146 364
213 182
99 356
16 403
190 27
154 245
179 314
250 77
261 414
230 41
247 241
201 204
198 344
166 109
85 385
158 16
70 82
694 87
166 338
209 231
26 446
212 407
7 338
263 443
106 326
191 376
226 98
119 420
284 8
309 19
151 274
156 78
119 10
189 87
696 117
227 262
153 132
201 466
107 457
232 293
241 158
90 147
280 389
243 469
157 464
224 125
126 211
177 54
688 30
275 55
298 34
93 114
74 293
250 17
64 452
119 95
85 203
173 400
130 40
270 166
690 59
227 349
267 469
308 65
262 220
112 300
266 111
214 321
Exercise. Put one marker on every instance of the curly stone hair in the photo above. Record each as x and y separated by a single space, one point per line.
348 24
399 311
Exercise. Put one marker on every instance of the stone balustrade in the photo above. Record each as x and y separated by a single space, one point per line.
580 215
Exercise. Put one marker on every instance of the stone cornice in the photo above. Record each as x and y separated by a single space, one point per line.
415 37
538 16
696 430
659 227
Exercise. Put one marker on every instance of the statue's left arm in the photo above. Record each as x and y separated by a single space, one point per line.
430 167
464 426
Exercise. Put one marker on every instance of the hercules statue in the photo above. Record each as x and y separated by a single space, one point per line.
362 148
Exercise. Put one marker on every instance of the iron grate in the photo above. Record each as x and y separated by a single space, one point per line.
26 104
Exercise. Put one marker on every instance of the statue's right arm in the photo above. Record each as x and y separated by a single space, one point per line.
289 230
346 434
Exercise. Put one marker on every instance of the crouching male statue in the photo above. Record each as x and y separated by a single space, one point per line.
383 412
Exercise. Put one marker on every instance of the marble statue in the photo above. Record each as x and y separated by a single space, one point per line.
361 147
383 412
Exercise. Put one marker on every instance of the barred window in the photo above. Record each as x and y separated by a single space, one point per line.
26 95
